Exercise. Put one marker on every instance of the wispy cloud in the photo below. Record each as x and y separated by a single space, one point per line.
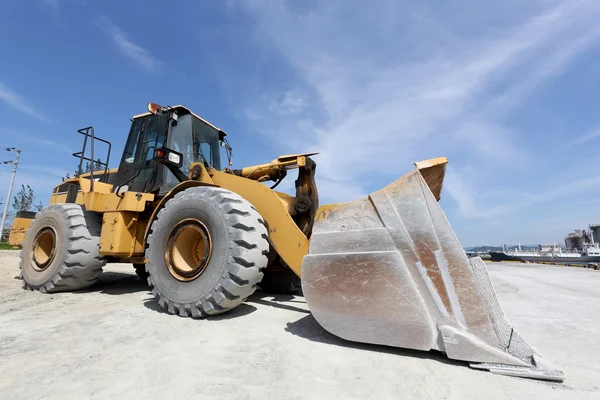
18 102
45 171
587 137
382 90
26 140
470 204
53 4
127 46
465 195
52 143
37 179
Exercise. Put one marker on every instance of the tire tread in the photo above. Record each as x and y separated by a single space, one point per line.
82 264
249 246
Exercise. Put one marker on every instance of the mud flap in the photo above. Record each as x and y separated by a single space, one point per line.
388 269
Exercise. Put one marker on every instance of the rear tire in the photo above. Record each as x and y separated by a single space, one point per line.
237 252
61 249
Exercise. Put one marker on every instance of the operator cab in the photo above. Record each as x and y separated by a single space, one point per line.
175 128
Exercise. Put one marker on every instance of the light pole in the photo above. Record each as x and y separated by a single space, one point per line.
12 181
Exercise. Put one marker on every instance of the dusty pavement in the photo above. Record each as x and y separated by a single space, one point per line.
112 342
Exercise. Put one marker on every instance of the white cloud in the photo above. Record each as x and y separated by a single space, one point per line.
384 90
288 102
127 46
466 196
18 102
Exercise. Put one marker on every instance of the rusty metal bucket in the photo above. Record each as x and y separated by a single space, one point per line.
388 269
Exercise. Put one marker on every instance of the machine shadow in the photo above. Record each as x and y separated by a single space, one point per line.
243 309
116 283
239 311
280 301
308 328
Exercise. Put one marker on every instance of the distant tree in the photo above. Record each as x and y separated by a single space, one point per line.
85 169
98 165
24 200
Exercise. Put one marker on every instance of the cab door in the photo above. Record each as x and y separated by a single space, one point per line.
137 172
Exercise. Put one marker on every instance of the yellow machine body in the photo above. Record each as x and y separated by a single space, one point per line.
19 227
385 269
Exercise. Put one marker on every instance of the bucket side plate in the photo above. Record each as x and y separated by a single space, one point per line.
388 269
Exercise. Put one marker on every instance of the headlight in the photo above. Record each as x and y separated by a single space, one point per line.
174 158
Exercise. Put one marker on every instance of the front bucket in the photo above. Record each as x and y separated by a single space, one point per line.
388 269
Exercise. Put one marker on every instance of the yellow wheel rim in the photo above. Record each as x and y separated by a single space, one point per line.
44 248
188 250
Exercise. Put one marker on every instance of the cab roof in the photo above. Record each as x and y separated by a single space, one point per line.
188 111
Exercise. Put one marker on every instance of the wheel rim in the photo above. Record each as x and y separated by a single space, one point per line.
188 250
44 248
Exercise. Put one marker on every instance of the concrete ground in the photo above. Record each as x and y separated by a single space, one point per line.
112 341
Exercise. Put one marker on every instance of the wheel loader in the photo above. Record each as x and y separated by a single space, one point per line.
386 269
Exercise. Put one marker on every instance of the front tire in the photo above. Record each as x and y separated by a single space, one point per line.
206 250
61 250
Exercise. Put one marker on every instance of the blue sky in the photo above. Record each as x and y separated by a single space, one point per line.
508 92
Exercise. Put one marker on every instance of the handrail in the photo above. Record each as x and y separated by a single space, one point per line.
81 154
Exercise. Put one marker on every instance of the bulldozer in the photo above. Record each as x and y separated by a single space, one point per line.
386 269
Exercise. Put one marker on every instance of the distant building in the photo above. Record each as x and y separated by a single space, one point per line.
595 233
574 240
580 238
